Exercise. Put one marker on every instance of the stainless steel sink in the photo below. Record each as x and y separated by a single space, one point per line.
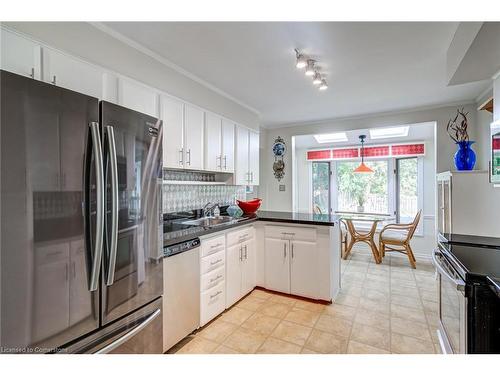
211 221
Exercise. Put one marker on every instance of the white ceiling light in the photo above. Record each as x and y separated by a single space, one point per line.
317 79
301 60
391 132
310 68
323 85
331 138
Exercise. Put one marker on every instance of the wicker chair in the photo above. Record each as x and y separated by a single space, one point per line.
397 237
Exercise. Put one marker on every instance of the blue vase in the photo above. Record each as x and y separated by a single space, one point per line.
465 157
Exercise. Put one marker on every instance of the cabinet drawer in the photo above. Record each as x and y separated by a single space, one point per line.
212 303
212 262
290 233
212 245
52 253
239 236
213 278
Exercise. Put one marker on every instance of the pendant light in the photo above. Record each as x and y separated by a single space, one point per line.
363 168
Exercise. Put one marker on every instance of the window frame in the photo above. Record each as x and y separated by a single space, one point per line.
330 209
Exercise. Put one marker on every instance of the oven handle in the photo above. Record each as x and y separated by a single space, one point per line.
114 206
437 263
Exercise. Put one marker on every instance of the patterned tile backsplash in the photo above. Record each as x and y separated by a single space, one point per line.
178 198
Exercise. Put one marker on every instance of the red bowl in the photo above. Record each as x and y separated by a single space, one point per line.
251 206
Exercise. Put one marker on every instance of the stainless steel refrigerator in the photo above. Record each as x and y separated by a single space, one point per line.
81 250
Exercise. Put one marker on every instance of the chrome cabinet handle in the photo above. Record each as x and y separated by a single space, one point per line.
225 161
217 261
284 250
53 80
218 165
292 250
32 74
74 270
189 156
114 205
181 152
251 176
128 336
99 177
246 252
66 271
215 278
215 295
241 254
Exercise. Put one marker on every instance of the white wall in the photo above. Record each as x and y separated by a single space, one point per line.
282 201
85 41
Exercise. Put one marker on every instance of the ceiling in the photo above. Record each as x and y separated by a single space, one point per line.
416 132
370 67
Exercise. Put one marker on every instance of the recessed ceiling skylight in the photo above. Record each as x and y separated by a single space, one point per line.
392 132
330 138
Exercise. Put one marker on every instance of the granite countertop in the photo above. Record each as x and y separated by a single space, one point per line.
494 283
174 231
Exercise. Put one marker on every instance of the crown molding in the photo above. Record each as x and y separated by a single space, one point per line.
131 43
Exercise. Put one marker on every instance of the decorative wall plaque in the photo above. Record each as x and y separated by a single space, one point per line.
279 150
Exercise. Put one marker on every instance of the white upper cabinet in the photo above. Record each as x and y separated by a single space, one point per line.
253 158
247 157
193 137
138 97
172 114
65 71
213 142
20 55
227 146
241 163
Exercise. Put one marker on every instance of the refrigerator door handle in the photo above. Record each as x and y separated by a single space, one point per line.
99 176
114 205
129 335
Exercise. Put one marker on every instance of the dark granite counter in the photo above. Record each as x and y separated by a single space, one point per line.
465 239
174 231
494 284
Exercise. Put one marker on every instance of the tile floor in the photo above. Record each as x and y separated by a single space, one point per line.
382 308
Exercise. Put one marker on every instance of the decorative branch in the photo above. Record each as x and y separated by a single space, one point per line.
457 130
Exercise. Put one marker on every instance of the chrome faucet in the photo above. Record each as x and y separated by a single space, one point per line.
208 209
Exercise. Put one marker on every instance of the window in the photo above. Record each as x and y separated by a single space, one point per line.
367 192
321 187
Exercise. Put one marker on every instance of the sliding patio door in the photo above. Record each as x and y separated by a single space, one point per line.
321 179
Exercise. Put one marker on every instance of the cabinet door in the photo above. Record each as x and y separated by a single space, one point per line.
253 158
193 138
277 269
79 296
70 73
138 97
213 158
172 114
227 146
20 55
241 163
304 265
249 272
234 260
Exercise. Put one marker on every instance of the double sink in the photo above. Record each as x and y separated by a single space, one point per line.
210 221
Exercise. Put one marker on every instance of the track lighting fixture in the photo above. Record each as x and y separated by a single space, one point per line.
311 70
323 85
310 67
301 60
317 79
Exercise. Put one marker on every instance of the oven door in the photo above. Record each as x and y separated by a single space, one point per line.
452 330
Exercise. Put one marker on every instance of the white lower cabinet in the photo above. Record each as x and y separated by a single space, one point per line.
303 269
212 278
240 274
277 265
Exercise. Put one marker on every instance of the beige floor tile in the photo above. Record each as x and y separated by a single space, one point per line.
262 294
218 330
325 342
222 349
413 302
347 300
198 345
410 328
292 332
376 295
261 323
283 299
244 340
375 306
335 325
372 336
409 313
236 315
432 318
310 306
402 275
276 346
401 282
276 310
308 351
410 345
404 290
370 318
355 347
378 277
377 285
341 311
352 289
251 303
430 306
304 317
429 296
